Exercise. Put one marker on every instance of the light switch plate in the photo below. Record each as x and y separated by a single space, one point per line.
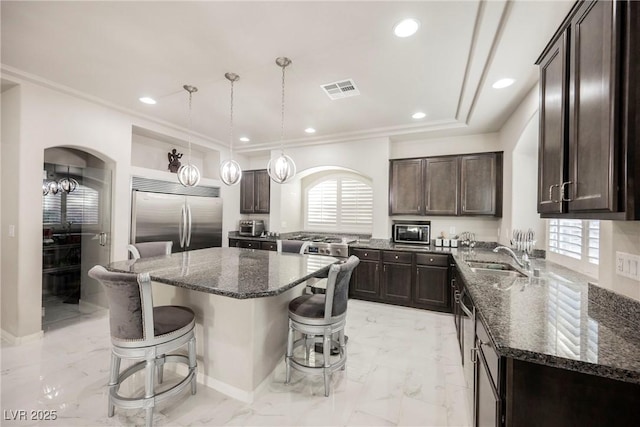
628 265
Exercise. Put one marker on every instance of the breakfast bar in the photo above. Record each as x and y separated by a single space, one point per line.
240 303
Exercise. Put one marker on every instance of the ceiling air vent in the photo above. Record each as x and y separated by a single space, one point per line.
341 89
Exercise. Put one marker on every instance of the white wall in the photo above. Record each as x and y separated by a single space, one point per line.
35 118
622 236
519 140
369 158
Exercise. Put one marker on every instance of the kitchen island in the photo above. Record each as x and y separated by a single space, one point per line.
240 300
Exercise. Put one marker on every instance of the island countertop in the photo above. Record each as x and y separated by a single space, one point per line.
232 272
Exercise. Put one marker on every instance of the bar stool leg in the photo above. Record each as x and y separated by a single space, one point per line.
193 364
149 389
289 354
326 355
113 382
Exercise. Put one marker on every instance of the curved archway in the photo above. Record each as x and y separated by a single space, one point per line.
76 228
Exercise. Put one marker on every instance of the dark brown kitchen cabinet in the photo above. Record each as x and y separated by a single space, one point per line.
406 182
397 280
464 185
589 117
481 184
442 191
432 287
253 244
366 277
388 277
255 191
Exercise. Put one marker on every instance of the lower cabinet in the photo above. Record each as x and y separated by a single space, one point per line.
253 244
403 278
397 280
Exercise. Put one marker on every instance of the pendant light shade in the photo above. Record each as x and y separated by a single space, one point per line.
52 187
230 171
282 169
189 175
68 184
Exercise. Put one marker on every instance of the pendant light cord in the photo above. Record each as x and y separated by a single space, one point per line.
282 116
231 125
190 123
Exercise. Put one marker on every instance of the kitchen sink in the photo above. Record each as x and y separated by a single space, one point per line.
497 268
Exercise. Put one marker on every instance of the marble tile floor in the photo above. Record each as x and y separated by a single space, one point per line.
403 369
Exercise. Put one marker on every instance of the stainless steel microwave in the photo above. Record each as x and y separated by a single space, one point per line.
413 233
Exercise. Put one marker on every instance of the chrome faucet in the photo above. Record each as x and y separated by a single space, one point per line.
525 263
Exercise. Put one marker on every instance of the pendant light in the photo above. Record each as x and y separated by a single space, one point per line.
230 171
68 184
45 183
188 174
283 168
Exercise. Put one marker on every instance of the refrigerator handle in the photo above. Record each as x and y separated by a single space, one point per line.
188 225
182 226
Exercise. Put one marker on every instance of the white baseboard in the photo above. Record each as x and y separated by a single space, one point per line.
222 387
12 339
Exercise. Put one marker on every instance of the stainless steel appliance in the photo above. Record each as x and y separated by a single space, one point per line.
190 217
251 227
465 320
414 232
326 245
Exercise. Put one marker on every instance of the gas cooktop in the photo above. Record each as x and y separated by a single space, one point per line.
321 239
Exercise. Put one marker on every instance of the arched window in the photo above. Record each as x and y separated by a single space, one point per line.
342 203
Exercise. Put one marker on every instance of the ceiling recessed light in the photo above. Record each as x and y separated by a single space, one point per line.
502 83
244 139
419 115
310 130
406 27
147 100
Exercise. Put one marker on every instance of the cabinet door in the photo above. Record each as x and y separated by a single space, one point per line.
488 403
262 191
247 202
405 187
551 147
234 243
249 244
432 286
397 283
592 110
441 186
269 246
365 281
479 184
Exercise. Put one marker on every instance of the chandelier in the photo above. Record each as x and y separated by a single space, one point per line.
188 174
230 171
282 169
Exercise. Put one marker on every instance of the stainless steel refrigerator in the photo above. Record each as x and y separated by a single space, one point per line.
191 222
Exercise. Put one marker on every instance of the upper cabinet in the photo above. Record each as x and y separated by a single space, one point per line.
465 185
255 191
589 116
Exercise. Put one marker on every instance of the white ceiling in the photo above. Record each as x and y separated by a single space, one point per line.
120 51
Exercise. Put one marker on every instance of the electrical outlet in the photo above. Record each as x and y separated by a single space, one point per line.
628 265
12 231
452 231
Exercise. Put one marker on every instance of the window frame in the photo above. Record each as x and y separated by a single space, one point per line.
582 265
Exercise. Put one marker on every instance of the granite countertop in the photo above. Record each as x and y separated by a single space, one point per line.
233 272
558 319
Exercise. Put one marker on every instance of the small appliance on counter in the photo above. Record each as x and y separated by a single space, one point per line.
251 227
411 232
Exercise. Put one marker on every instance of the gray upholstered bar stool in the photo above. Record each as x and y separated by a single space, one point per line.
150 249
321 315
140 331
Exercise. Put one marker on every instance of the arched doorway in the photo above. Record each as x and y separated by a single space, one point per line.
76 226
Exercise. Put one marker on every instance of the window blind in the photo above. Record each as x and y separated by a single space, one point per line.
83 205
565 237
339 203
52 209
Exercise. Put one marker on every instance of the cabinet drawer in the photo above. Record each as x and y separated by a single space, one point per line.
367 254
486 345
431 259
249 244
269 246
399 257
